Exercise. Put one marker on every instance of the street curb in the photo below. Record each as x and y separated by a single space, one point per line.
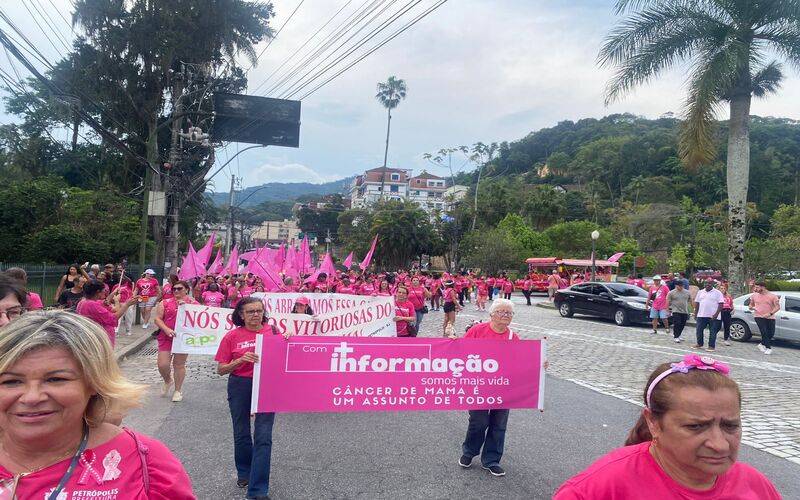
133 348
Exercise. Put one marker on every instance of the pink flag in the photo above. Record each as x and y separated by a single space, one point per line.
365 263
189 266
305 256
272 281
233 261
280 257
216 266
348 262
616 256
327 266
204 255
289 261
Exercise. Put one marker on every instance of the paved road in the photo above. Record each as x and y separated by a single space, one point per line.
597 371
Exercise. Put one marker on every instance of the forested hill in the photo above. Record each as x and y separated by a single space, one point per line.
280 191
624 157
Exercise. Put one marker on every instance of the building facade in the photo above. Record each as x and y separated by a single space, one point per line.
276 232
429 191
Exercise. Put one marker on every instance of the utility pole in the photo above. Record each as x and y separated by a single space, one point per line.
229 232
173 198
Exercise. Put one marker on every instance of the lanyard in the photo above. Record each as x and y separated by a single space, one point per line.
71 469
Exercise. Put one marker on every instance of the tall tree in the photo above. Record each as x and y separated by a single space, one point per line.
728 43
390 93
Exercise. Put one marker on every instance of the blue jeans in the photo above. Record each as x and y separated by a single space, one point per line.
419 314
487 429
252 454
713 327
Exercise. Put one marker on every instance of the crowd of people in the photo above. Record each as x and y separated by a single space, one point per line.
686 439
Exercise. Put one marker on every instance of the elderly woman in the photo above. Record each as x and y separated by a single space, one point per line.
684 445
96 305
12 299
235 357
487 428
59 380
166 315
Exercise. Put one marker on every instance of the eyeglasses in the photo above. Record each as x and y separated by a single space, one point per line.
504 314
13 313
178 288
253 313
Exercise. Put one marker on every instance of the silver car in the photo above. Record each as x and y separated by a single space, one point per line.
787 321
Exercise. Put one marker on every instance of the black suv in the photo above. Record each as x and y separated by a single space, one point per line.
623 303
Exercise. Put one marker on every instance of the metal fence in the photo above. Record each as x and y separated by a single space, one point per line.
44 278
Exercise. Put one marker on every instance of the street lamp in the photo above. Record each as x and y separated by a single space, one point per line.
595 235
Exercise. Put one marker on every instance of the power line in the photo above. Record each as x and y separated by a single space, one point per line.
345 26
25 4
382 26
301 47
50 23
276 35
392 37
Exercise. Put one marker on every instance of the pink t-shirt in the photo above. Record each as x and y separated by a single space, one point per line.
417 297
508 286
552 281
34 301
167 477
367 289
237 342
659 302
213 299
764 303
405 309
346 289
148 287
484 331
632 472
101 314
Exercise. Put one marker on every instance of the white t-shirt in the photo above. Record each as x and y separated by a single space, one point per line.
708 302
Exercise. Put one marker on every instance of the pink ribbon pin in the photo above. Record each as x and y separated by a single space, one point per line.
87 462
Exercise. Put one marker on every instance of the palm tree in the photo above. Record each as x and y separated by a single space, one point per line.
727 43
390 93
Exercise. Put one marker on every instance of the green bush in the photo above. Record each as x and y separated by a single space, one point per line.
783 286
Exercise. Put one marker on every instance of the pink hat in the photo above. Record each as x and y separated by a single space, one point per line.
302 300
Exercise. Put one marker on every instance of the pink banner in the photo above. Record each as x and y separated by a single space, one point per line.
343 374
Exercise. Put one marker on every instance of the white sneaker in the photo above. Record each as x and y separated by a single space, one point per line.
177 397
165 388
727 342
677 340
146 326
767 351
761 347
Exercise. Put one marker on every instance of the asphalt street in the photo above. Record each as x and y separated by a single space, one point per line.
414 454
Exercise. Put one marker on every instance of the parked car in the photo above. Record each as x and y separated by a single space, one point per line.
621 302
787 321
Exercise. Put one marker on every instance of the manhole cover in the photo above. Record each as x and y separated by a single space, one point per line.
150 349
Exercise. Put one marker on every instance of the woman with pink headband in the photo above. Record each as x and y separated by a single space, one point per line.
685 444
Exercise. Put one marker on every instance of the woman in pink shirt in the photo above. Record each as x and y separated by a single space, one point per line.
235 356
727 310
685 444
418 295
451 306
148 289
487 428
404 313
384 289
212 297
95 305
60 387
166 315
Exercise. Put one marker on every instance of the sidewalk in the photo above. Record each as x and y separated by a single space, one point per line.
128 345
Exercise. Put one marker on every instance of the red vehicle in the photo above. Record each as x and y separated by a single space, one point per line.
570 270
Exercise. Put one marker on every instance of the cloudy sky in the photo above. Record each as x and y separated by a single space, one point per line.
476 70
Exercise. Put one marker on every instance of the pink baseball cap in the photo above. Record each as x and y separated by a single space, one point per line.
302 300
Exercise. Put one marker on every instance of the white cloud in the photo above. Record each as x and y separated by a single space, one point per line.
285 172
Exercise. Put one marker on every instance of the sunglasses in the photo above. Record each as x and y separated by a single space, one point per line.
178 288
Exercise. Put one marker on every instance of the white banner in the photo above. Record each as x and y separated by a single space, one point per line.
199 329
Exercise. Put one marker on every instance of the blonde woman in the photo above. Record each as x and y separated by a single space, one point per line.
60 386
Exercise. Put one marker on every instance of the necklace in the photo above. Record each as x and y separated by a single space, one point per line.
31 470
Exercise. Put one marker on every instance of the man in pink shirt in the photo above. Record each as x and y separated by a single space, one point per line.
552 285
764 305
657 303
